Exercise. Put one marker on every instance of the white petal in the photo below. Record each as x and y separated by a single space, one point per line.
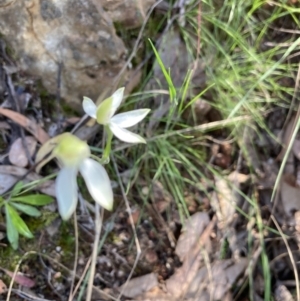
125 135
108 107
97 182
89 107
116 100
66 191
128 119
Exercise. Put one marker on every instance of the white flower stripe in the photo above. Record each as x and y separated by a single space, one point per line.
66 191
97 182
128 119
89 107
125 135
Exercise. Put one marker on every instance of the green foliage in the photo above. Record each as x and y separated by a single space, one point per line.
17 204
34 199
172 89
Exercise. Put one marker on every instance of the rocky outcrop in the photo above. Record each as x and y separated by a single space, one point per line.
129 13
78 35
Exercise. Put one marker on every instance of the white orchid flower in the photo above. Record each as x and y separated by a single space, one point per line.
74 155
105 115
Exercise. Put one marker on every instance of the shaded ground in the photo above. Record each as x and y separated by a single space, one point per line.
227 155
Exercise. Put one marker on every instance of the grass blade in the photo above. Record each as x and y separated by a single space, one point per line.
168 78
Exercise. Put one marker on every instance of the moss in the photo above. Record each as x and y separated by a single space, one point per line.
37 224
66 241
69 110
9 258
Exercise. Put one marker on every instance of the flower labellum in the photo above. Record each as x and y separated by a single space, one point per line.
74 155
105 115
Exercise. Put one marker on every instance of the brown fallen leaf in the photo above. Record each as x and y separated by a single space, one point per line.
286 135
29 125
251 154
238 177
191 232
17 154
283 294
47 187
214 282
297 227
20 278
4 125
271 170
135 215
6 182
224 201
191 282
289 193
161 198
139 285
3 287
296 148
178 284
71 120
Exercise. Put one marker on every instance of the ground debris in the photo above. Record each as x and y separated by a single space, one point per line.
213 281
197 279
225 199
6 182
3 287
20 278
161 198
192 230
289 193
14 173
31 126
17 154
283 294
139 285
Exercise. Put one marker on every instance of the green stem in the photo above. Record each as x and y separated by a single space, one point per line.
106 153
98 226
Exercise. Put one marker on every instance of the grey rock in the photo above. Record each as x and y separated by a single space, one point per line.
78 35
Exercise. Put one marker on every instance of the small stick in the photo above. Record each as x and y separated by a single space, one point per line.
138 248
98 226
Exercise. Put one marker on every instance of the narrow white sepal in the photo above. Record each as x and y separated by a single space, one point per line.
128 119
66 191
116 101
97 182
125 135
89 107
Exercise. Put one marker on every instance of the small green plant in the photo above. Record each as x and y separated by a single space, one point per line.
18 202
74 155
115 124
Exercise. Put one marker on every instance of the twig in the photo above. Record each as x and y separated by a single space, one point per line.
290 255
27 296
75 257
98 226
202 128
16 271
138 248
12 95
85 275
81 278
58 95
